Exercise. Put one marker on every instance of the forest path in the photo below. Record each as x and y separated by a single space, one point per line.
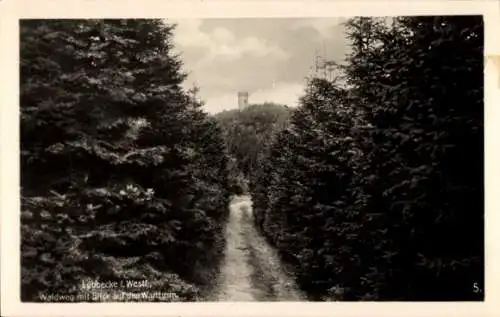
252 270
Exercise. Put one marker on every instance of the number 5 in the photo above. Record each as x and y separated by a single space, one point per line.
476 288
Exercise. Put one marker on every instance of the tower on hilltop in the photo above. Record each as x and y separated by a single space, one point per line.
242 100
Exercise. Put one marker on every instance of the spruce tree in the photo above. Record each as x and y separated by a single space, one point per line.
374 183
426 110
115 158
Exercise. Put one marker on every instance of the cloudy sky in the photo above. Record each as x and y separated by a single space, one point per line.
269 58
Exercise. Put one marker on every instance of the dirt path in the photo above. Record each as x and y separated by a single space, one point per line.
252 270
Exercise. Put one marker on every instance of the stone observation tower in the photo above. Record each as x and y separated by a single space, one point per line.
242 100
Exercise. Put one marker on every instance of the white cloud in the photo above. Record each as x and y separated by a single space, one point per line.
221 43
224 57
187 33
323 26
222 35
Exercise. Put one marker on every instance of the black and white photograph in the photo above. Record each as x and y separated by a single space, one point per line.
252 159
264 159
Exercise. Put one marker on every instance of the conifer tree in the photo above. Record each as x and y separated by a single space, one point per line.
374 185
425 115
248 134
118 161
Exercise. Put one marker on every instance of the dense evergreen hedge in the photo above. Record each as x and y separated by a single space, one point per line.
375 190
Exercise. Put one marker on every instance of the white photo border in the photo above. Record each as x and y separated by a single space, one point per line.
11 11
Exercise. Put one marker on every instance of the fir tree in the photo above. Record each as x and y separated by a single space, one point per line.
119 163
372 187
